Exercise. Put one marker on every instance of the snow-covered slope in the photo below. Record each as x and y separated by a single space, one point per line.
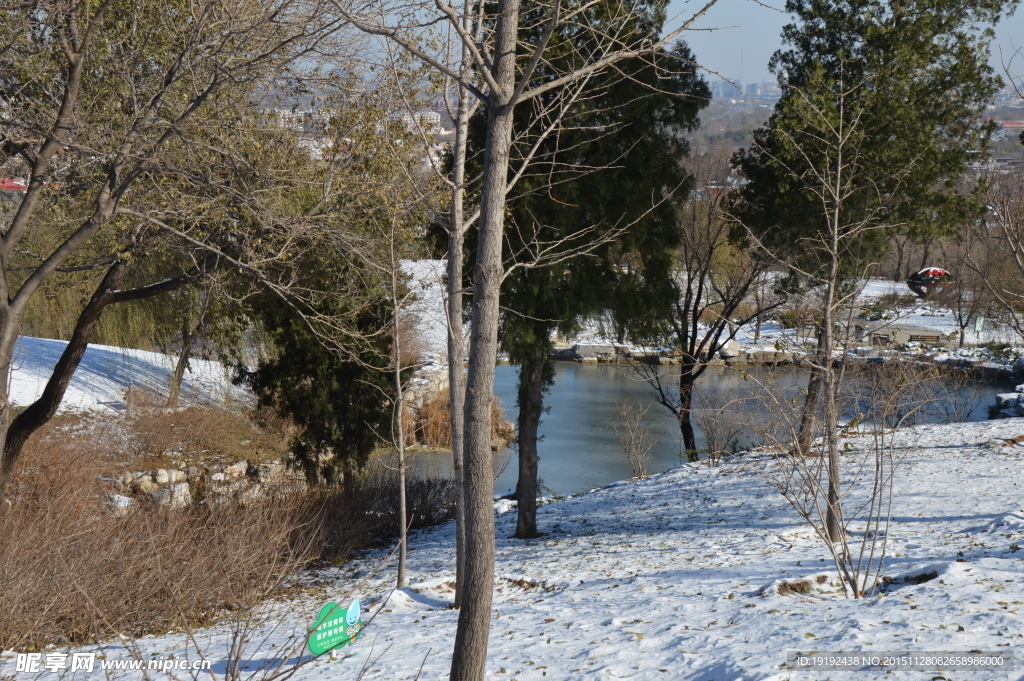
106 373
670 578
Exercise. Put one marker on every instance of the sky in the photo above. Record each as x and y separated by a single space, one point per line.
750 34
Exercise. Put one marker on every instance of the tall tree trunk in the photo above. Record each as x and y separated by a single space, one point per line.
809 417
686 387
830 410
456 375
469 659
399 427
926 254
901 245
531 405
187 338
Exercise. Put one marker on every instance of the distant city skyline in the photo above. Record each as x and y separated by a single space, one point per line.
750 34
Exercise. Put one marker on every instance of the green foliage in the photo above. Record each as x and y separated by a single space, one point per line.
342 406
903 85
612 173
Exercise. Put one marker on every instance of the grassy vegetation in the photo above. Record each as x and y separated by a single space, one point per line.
71 570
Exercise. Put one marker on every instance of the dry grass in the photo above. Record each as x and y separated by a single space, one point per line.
71 571
152 433
432 426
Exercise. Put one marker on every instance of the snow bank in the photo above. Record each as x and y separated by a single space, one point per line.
684 576
106 373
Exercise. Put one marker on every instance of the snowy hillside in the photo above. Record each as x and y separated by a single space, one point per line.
672 578
107 372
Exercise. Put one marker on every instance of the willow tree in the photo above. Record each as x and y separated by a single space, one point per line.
102 101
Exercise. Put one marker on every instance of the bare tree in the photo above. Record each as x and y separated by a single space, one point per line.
888 398
1000 264
715 283
828 138
633 431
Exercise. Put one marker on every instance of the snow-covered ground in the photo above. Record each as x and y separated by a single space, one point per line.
106 373
671 578
427 309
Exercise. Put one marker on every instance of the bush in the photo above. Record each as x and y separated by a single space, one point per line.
432 427
71 570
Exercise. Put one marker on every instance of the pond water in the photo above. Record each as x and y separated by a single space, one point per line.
578 450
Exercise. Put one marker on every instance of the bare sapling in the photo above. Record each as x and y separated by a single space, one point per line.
633 430
722 420
886 400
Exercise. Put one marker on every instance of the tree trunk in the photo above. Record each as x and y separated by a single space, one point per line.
469 659
900 248
531 405
809 418
42 410
179 368
686 387
456 376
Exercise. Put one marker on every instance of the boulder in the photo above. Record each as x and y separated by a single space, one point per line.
592 350
236 470
161 477
268 472
144 485
121 505
175 496
730 349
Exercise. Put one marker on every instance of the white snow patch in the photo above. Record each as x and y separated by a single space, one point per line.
106 373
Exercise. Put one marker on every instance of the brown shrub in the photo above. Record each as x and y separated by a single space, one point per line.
433 424
152 430
72 571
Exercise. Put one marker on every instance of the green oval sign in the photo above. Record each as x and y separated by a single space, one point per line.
334 627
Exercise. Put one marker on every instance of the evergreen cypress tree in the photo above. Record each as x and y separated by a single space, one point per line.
612 172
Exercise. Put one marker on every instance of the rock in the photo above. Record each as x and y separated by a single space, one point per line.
236 470
121 505
730 349
1007 400
769 357
175 496
161 477
123 482
585 350
194 473
144 486
268 472
252 495
175 476
217 477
